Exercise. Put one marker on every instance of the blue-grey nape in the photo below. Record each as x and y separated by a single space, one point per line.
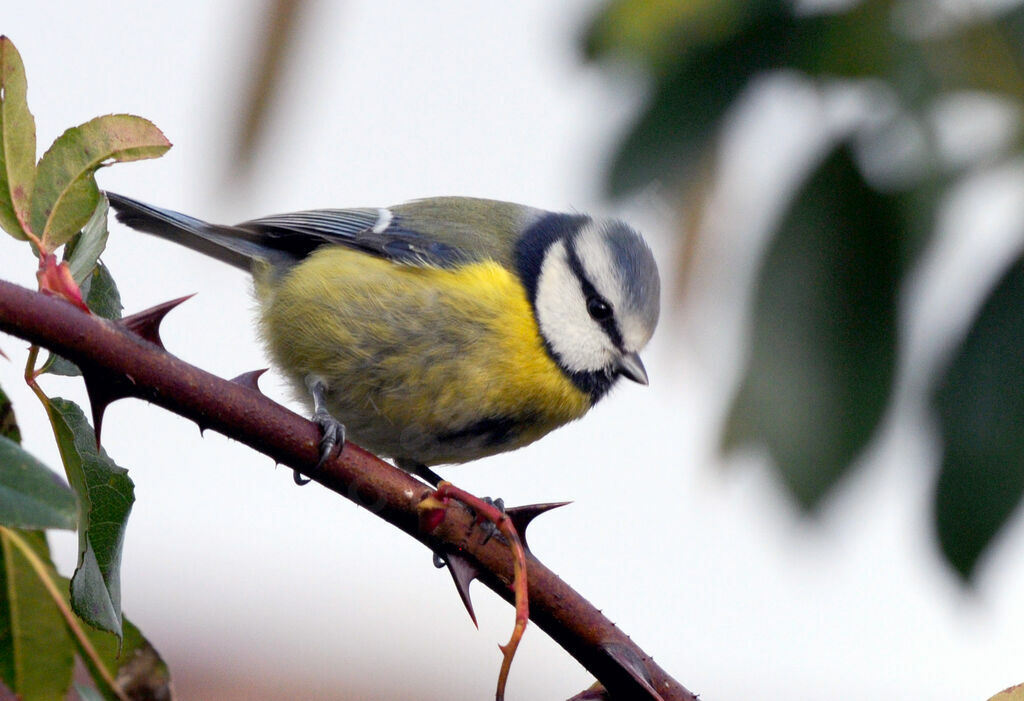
634 259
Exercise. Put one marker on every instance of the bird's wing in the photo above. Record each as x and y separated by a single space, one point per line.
375 231
441 231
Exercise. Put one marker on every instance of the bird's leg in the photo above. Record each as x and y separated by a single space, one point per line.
334 430
420 470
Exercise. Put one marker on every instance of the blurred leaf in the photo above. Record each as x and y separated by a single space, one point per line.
1014 693
658 32
17 142
683 117
105 495
36 654
824 338
857 42
66 195
31 494
8 422
984 55
980 404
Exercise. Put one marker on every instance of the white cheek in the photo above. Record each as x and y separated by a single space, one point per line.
577 339
596 260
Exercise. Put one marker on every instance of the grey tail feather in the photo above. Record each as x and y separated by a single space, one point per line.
228 244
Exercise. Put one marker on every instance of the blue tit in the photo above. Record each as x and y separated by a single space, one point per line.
441 330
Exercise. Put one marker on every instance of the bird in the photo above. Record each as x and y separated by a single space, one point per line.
441 330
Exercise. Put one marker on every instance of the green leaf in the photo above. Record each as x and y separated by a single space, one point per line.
17 142
824 338
8 422
32 495
858 42
66 194
85 248
103 298
656 32
135 664
36 653
98 287
690 100
979 399
37 646
979 56
105 496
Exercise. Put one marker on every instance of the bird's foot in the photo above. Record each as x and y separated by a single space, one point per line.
333 430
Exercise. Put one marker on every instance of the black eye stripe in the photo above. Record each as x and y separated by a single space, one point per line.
589 291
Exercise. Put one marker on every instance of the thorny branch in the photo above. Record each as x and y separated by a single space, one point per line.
118 362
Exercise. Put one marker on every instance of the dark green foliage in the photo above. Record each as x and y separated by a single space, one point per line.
825 339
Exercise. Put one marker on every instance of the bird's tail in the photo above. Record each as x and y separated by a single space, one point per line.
231 245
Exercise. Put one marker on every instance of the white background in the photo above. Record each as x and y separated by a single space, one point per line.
253 588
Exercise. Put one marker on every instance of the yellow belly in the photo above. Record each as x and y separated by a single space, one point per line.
427 364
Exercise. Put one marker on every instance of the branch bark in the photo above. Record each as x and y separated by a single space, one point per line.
120 363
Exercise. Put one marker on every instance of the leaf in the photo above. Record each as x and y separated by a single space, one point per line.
37 644
858 42
55 279
105 496
17 142
66 194
135 664
103 298
8 422
1014 693
656 32
32 495
823 349
36 653
980 405
85 248
690 100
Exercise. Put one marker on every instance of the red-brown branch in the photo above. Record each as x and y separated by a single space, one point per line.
108 353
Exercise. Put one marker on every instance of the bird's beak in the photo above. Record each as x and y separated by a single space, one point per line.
630 366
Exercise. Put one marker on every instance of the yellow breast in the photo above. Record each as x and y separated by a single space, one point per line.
413 356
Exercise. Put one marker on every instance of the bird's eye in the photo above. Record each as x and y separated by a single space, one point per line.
598 308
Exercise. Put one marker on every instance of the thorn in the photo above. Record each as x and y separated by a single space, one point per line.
628 660
463 573
250 379
146 324
103 389
522 516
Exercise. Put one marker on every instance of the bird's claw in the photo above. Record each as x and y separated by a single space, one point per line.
488 528
333 430
334 435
